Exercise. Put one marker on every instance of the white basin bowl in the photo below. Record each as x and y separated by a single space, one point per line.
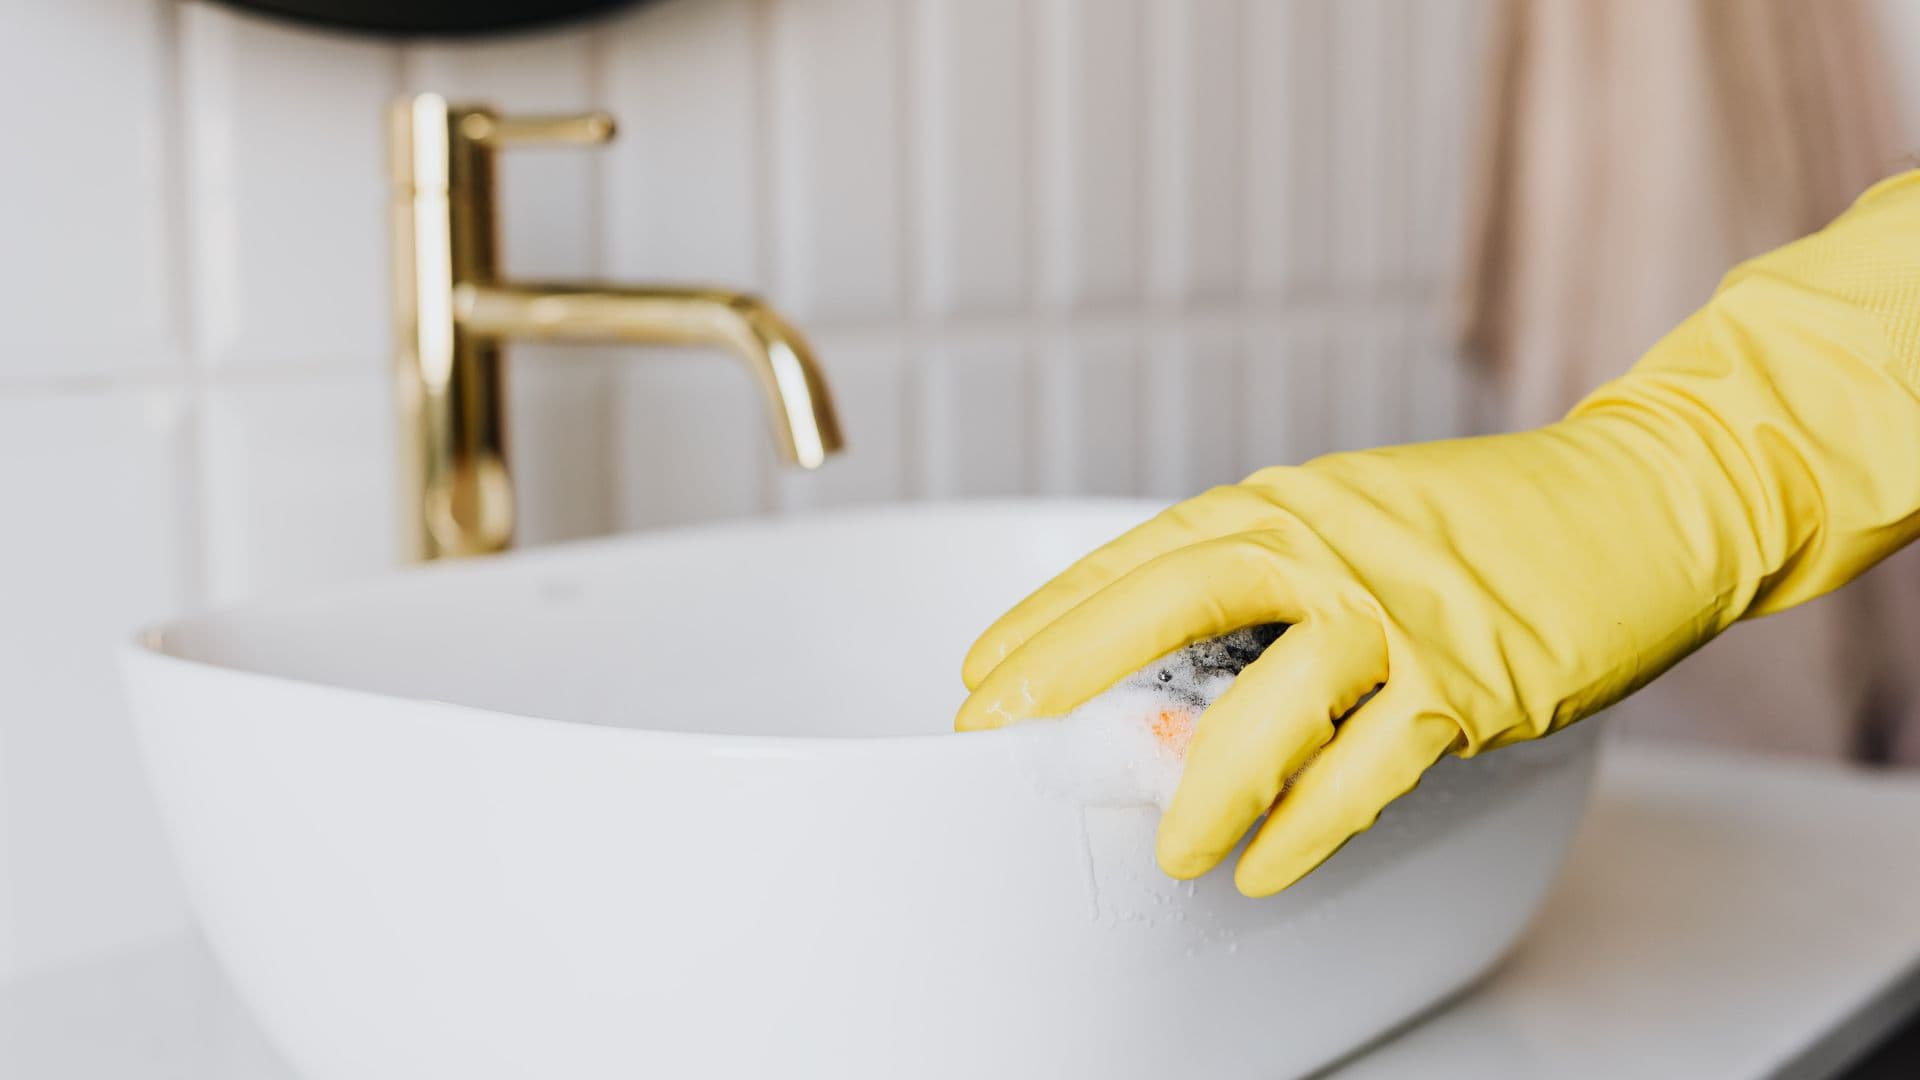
686 805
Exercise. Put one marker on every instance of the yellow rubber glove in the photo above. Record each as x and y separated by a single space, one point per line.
1496 589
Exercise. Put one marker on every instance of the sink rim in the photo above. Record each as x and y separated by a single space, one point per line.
150 644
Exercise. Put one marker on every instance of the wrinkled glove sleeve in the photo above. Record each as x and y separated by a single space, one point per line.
1495 589
1801 380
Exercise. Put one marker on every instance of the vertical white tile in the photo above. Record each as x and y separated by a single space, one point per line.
85 263
287 190
690 439
837 154
1366 367
1194 165
684 80
689 433
560 421
871 393
1442 386
1440 380
548 227
300 483
1283 411
1289 137
1190 414
95 544
974 100
1449 73
975 409
1090 427
1371 198
1091 152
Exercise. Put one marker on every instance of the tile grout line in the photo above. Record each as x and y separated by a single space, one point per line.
604 379
1163 143
1091 323
1036 120
763 140
195 461
1244 295
910 64
1044 64
1240 90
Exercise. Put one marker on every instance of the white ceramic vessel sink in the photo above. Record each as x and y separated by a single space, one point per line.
686 805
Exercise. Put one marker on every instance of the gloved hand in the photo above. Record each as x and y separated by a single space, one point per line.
1496 589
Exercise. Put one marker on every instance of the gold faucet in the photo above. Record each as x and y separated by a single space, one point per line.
452 314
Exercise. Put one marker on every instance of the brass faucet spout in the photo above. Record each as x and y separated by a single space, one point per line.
455 313
805 425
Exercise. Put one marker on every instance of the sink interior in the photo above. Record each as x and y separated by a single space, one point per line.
854 624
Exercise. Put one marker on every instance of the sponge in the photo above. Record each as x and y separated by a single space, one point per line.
1127 746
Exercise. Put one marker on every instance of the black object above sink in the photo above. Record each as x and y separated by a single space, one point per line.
438 18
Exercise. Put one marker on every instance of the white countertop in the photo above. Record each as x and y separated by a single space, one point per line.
1720 916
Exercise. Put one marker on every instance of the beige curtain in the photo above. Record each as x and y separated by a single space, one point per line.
1634 151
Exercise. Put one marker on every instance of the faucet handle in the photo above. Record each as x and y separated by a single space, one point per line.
570 129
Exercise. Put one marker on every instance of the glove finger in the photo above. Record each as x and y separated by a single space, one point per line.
1217 513
1277 714
1379 755
1188 595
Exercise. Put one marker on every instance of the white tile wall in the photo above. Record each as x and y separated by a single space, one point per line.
1447 74
561 423
972 127
1194 167
975 409
1369 106
837 140
96 540
686 187
1287 191
1091 108
87 291
1285 364
1190 410
104 148
299 483
1043 245
286 192
1092 437
690 441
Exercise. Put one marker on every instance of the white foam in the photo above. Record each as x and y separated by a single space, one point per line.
1108 753
1128 746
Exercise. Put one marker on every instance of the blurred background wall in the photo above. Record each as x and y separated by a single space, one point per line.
1633 150
1111 246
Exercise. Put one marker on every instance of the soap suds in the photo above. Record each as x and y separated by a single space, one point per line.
1127 746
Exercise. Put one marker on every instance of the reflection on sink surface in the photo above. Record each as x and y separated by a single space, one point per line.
685 804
